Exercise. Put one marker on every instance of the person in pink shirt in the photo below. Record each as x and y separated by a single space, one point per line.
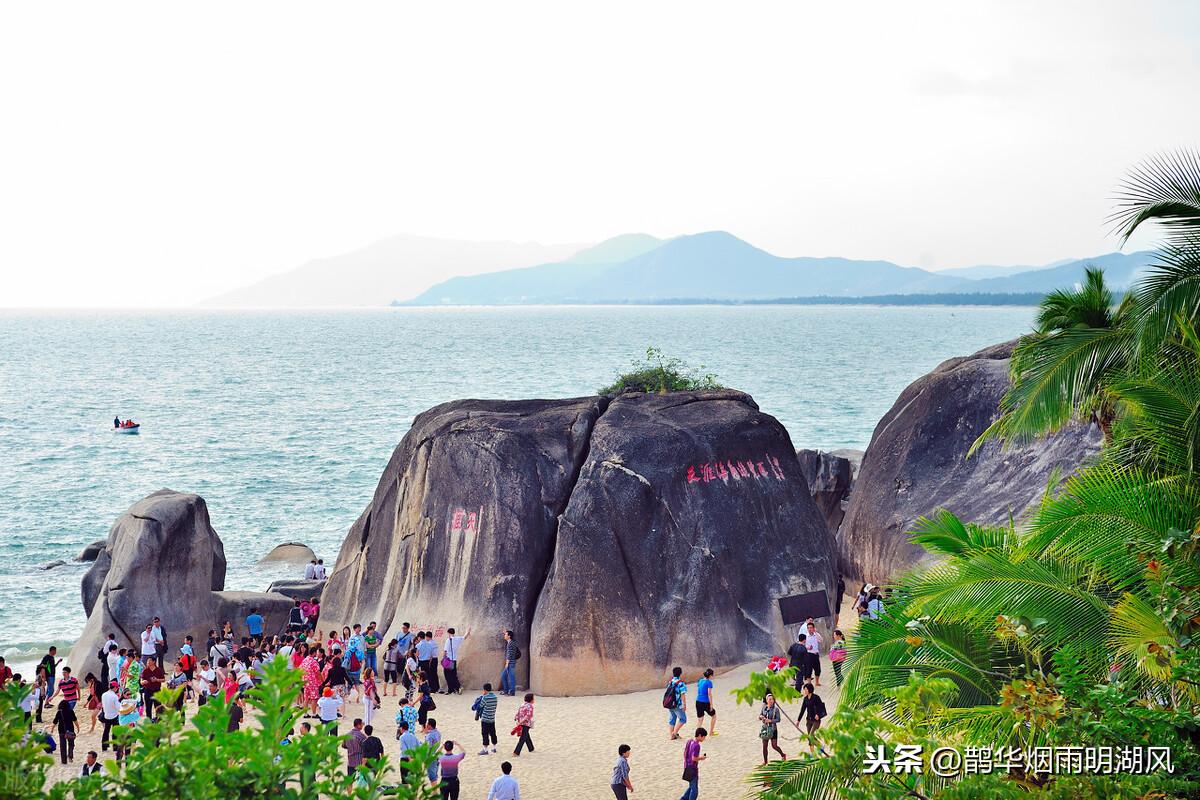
448 764
524 720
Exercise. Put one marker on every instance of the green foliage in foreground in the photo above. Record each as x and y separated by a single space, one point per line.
201 760
1079 627
661 373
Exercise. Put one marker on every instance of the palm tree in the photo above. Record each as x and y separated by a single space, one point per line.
1062 371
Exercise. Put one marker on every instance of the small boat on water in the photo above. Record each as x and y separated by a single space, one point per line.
131 427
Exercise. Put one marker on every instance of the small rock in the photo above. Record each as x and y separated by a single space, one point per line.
289 553
58 562
92 551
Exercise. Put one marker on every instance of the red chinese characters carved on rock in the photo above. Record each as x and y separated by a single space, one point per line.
729 469
464 521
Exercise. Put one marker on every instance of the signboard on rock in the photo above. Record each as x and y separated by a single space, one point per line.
797 608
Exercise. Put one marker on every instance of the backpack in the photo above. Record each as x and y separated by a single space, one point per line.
477 707
670 698
353 663
187 661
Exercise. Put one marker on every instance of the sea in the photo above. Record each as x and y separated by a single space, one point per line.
283 420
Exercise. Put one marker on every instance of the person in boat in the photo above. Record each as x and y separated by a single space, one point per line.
116 422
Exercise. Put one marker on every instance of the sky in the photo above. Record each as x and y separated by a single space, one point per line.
154 154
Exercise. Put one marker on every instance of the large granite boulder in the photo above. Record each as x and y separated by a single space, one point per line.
690 519
461 529
297 589
163 558
829 480
615 538
917 463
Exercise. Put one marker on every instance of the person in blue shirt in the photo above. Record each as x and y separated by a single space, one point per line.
704 702
677 714
404 640
408 743
255 623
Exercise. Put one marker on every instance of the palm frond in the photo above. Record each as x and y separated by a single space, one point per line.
1165 189
943 533
1054 376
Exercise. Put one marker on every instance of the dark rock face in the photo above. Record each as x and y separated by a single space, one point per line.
462 526
93 550
916 463
162 558
616 538
297 589
829 480
689 520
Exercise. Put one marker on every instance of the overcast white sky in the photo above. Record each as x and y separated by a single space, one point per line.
188 149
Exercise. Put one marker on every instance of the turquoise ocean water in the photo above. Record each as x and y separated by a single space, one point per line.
283 421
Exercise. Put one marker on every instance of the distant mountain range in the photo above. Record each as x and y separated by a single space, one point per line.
635 268
721 267
397 267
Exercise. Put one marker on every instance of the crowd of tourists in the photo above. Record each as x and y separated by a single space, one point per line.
355 666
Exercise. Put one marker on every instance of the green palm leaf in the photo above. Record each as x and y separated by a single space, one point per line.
1164 189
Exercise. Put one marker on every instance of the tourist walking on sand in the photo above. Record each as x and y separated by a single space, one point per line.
675 701
813 710
837 654
67 724
371 701
408 742
691 764
68 687
508 675
392 659
485 711
812 643
49 664
110 707
407 713
433 740
769 732
92 703
372 748
505 787
352 744
620 784
798 659
448 765
524 720
704 702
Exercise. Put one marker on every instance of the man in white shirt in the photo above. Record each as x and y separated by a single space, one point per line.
812 643
505 787
114 662
110 709
319 573
160 640
310 570
218 651
327 710
450 650
148 649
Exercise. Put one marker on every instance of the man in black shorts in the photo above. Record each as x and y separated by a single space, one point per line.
704 702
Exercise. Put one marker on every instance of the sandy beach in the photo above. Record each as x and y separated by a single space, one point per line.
576 740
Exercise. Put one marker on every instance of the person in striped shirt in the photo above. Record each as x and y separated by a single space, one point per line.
68 687
485 709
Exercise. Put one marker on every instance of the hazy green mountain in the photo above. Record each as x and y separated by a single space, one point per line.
714 265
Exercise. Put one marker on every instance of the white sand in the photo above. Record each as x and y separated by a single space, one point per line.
576 740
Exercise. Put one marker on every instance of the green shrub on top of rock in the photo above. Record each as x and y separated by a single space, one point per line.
661 373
